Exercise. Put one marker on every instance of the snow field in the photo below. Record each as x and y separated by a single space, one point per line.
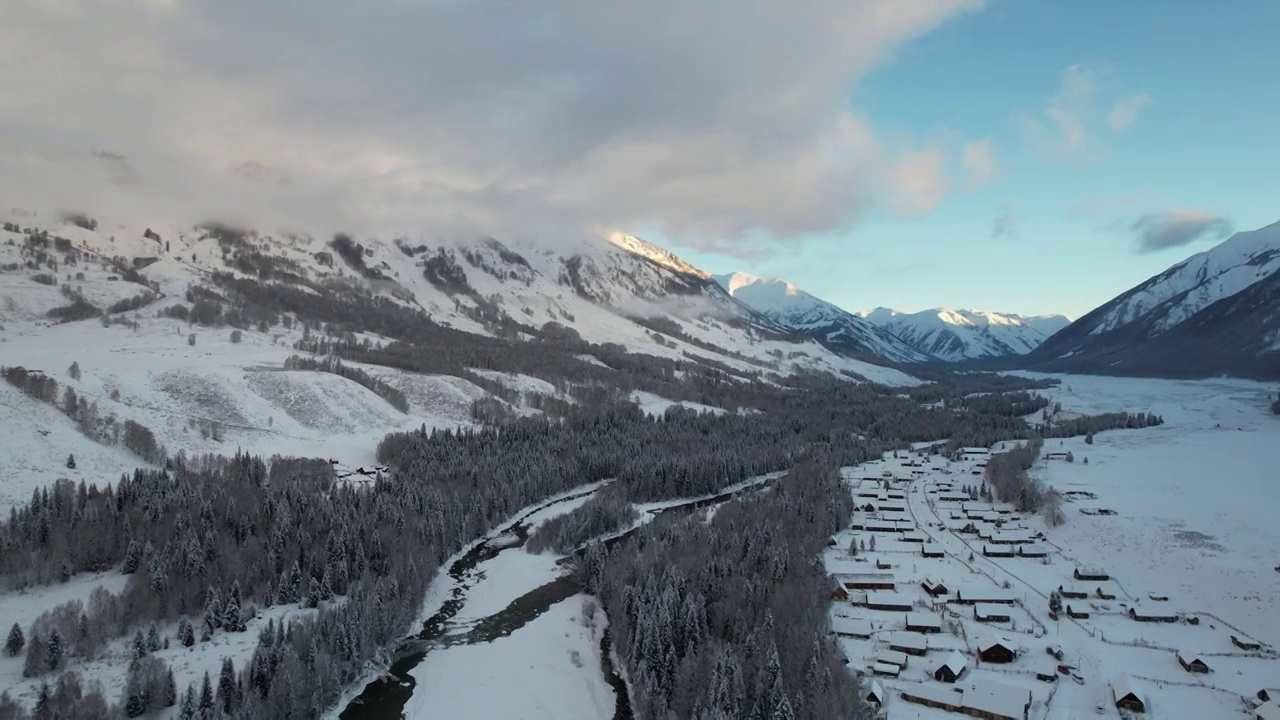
549 669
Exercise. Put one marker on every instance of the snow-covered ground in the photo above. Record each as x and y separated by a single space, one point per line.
1195 518
657 405
179 391
548 669
1191 523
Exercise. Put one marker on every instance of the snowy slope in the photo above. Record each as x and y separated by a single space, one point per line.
954 335
605 288
219 396
1216 312
789 306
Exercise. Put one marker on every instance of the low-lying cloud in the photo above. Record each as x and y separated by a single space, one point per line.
708 121
1176 228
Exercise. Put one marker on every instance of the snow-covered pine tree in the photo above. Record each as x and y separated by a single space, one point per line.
56 650
232 612
228 695
14 643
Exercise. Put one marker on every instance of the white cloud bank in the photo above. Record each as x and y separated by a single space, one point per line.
707 120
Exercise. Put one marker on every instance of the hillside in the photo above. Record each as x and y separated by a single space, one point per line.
1217 312
957 335
149 315
793 308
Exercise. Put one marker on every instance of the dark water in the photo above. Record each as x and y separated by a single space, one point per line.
385 698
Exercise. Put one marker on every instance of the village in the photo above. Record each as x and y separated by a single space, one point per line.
950 606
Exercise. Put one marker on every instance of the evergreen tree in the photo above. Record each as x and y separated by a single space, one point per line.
138 649
56 650
206 697
188 710
170 690
135 701
37 661
71 462
13 645
153 638
228 699
132 558
232 614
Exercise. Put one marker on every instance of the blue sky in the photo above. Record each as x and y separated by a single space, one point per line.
1194 135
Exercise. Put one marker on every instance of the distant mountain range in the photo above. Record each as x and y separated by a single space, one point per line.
955 335
927 336
1217 312
797 310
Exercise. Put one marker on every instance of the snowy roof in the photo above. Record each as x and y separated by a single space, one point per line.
935 693
974 450
875 691
851 626
1034 549
990 610
988 640
920 619
1191 656
911 640
865 577
885 597
886 669
1267 711
1123 686
893 657
955 662
1014 535
998 699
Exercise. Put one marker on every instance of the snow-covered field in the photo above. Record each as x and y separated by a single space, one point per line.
180 391
548 669
1191 523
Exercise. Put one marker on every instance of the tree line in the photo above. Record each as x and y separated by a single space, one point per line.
727 619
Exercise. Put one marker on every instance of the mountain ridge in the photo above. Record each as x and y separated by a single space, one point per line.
792 307
1216 312
956 335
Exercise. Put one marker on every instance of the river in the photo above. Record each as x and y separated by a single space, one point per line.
385 698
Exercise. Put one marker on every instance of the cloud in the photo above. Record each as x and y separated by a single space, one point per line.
518 118
918 182
1072 125
1176 228
1124 112
1005 223
979 160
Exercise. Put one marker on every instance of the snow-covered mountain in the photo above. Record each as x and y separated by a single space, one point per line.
955 335
1216 312
158 305
791 307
